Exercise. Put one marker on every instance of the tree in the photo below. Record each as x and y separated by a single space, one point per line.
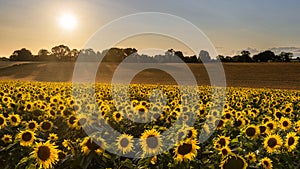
264 56
61 52
285 56
204 56
21 55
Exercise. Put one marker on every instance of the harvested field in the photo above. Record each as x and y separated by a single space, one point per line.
253 75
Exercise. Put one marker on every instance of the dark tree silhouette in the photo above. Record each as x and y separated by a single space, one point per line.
264 56
22 55
204 56
61 52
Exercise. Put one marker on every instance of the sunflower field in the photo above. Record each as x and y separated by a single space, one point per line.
43 125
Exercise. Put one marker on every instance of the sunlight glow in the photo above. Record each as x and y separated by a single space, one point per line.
68 22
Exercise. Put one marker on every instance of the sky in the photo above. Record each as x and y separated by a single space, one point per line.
230 26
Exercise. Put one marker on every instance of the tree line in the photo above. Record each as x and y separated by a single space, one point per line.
63 53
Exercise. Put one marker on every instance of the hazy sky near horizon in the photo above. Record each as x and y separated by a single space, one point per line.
230 25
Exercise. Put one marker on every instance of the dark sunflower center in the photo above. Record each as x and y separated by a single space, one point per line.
14 119
6 139
28 106
202 111
185 149
190 134
224 152
219 123
272 142
31 125
222 142
72 120
1 120
46 125
291 141
250 157
228 116
26 136
118 115
92 145
234 163
250 131
285 123
287 110
266 163
44 153
270 125
152 141
52 113
278 115
262 129
124 142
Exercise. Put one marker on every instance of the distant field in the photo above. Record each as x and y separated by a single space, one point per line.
256 75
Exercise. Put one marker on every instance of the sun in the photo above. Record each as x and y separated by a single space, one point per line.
68 21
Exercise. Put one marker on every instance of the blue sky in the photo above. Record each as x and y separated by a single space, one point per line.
230 25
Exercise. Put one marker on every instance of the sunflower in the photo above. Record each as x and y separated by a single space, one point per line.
88 145
224 151
272 143
32 125
71 121
252 131
52 137
46 126
14 119
222 141
26 137
271 126
2 121
61 154
186 150
118 116
262 129
266 163
291 141
278 114
238 123
7 138
234 162
251 157
191 133
285 123
45 154
125 143
151 142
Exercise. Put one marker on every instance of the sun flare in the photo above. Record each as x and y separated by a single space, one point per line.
68 21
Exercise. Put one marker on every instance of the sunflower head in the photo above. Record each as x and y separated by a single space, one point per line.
32 125
125 143
252 131
7 138
186 150
46 154
251 157
266 163
285 123
14 119
151 142
291 141
2 121
46 126
26 137
234 162
272 143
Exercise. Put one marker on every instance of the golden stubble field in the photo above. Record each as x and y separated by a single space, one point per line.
253 75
